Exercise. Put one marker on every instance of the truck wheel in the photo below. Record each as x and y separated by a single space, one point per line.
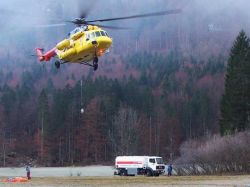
123 173
149 173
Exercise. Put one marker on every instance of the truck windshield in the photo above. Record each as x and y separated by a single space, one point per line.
152 160
159 160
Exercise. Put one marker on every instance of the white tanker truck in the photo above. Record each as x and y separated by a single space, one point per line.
139 165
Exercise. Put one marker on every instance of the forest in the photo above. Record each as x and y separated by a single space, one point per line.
152 111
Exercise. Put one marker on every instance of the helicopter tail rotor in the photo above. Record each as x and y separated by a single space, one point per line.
39 53
47 56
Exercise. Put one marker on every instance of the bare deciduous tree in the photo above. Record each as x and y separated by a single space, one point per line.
124 137
215 155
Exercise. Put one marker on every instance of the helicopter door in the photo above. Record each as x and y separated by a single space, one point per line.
90 36
87 37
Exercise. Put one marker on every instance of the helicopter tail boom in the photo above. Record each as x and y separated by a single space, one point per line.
47 56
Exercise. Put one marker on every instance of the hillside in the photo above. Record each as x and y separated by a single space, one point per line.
166 99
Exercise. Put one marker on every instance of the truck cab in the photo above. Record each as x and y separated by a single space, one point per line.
156 165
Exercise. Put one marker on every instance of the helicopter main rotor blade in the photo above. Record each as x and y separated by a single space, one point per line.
175 11
111 27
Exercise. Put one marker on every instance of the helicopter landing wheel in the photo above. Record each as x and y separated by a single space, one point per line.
95 63
57 64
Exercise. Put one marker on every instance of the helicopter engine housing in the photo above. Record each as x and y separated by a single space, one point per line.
63 44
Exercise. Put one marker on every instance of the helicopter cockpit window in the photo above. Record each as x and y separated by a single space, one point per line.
106 34
87 36
91 35
97 33
102 33
76 30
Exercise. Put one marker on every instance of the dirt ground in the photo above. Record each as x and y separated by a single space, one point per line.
92 176
139 181
87 171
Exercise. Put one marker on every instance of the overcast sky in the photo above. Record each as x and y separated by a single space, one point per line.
23 16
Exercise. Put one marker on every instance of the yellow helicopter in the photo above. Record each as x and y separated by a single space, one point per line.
88 41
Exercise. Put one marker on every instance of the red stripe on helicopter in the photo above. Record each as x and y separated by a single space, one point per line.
47 56
128 162
51 53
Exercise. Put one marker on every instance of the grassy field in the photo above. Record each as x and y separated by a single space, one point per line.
203 181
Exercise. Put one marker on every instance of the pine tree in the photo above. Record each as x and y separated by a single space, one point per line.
234 105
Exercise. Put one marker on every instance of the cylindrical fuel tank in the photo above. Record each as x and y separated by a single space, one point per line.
68 53
63 44
77 35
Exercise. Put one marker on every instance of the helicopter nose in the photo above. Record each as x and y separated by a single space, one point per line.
104 45
105 42
108 41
